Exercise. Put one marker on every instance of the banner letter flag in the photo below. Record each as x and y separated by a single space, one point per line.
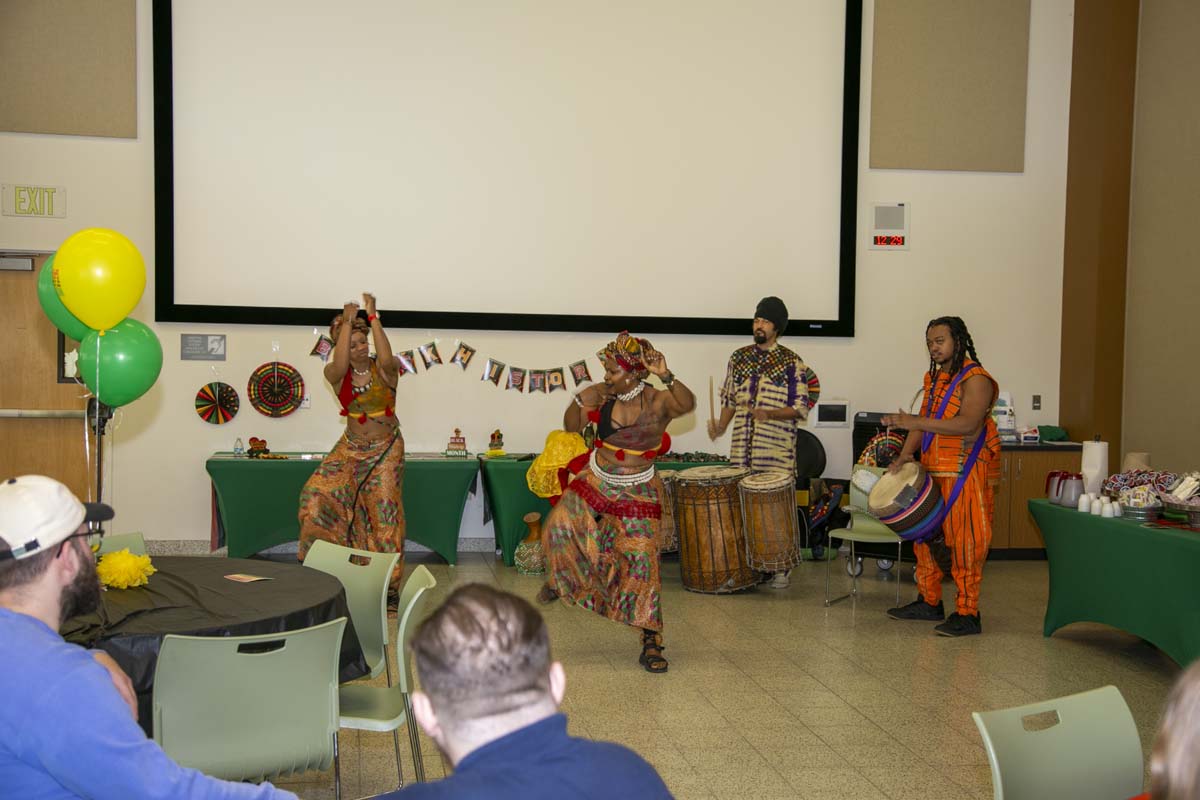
579 371
555 379
463 355
516 379
492 370
429 354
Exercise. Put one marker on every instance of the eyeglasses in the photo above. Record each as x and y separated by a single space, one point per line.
98 533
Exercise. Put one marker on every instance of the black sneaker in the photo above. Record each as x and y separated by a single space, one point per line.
960 625
919 609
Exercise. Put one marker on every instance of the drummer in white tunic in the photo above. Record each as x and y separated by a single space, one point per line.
768 390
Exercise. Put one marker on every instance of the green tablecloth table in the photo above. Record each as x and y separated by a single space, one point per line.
258 500
509 499
1141 580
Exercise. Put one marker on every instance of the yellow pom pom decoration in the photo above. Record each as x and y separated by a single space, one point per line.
121 569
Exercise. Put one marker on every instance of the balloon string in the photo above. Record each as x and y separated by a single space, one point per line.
87 452
99 449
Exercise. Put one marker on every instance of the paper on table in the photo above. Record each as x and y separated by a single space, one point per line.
242 577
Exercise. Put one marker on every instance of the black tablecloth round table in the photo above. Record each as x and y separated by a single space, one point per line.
191 595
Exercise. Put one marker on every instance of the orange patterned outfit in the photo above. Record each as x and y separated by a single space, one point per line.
601 538
354 496
968 524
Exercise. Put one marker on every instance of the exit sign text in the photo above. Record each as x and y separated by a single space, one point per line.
22 200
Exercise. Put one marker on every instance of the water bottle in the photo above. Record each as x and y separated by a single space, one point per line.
239 449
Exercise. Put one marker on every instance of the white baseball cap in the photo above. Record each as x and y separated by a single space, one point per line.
37 512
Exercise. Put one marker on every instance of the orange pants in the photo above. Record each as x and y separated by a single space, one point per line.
968 532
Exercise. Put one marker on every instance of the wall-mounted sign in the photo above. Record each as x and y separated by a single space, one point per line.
202 347
22 200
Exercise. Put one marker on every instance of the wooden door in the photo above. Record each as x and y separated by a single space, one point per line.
29 380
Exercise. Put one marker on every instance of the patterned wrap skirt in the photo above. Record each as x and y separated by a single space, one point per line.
353 498
601 548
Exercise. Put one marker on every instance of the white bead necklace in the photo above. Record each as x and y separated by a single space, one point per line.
632 393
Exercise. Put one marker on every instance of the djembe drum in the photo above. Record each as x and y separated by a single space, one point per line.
712 544
907 501
769 520
668 534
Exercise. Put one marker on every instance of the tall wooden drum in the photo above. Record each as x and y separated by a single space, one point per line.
668 535
769 519
708 516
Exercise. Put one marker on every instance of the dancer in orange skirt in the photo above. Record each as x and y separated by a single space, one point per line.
353 497
601 538
962 390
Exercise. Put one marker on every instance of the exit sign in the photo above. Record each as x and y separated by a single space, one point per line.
22 200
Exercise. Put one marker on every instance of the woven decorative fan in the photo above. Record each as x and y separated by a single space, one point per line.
275 389
217 403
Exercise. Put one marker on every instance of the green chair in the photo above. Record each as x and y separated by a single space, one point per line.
1084 745
863 528
366 585
133 542
251 707
380 709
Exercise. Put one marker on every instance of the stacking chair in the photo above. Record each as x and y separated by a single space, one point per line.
366 587
1081 746
133 542
863 528
251 707
374 708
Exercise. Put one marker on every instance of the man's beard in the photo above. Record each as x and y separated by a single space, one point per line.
83 595
760 337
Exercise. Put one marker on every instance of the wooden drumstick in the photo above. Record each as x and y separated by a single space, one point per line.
711 413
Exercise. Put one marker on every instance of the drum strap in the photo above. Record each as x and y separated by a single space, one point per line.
926 530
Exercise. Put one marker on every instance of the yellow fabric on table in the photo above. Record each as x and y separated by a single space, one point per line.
560 449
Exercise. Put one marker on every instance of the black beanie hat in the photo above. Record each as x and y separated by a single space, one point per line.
773 310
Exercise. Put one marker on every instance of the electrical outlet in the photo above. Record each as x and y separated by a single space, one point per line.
1037 402
306 402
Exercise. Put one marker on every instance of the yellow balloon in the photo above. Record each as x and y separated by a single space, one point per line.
99 276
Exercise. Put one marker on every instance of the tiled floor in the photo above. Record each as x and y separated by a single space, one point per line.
770 694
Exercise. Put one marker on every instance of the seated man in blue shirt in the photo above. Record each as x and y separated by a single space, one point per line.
65 730
490 700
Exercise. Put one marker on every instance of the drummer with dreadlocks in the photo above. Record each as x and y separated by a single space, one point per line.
601 538
959 446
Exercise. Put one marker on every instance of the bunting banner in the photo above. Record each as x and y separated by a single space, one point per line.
555 379
579 371
516 379
429 354
537 380
323 348
492 370
406 361
463 355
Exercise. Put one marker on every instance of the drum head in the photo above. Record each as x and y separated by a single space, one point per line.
891 484
668 475
766 481
712 474
810 455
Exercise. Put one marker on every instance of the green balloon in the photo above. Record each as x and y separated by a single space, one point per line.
62 318
122 365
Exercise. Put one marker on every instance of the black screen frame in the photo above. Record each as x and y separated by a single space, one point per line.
167 310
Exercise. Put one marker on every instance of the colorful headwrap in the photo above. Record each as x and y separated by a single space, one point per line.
627 351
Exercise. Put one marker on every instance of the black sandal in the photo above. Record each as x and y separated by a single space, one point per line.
652 647
547 595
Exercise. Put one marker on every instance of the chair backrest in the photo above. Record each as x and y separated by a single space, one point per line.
366 585
249 707
858 498
1082 745
133 542
412 600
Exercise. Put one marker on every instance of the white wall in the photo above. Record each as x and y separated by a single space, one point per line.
987 247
